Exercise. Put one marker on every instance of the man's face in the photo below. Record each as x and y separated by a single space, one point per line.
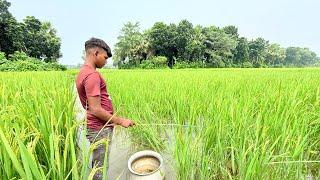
101 58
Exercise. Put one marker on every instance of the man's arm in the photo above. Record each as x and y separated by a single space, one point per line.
95 108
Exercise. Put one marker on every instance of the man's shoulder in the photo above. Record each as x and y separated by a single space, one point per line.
85 73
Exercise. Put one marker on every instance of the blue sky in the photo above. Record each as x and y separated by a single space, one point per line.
287 22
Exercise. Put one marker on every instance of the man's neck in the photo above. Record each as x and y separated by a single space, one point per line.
90 63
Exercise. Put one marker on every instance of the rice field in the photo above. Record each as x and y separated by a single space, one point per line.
216 123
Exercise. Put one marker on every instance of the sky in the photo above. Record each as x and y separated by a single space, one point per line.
286 22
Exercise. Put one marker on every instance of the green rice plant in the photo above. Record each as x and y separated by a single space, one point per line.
216 123
37 126
229 123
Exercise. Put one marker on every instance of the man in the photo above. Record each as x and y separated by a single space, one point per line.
94 97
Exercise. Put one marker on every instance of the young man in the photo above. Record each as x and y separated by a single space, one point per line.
94 97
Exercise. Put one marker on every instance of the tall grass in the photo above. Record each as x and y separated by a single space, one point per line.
37 128
240 123
216 123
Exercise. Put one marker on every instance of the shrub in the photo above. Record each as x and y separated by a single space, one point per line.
147 64
3 58
181 65
197 64
247 65
17 55
19 61
159 61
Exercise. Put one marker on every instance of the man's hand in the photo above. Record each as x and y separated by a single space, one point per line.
126 122
96 109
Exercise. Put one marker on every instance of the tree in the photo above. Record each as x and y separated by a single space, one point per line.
33 40
242 51
308 57
196 47
143 50
183 39
128 43
202 47
296 56
36 39
275 55
219 47
232 31
40 40
9 30
258 51
162 40
51 49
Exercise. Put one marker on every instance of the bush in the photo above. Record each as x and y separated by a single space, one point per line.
317 64
263 65
147 64
154 63
55 66
197 64
3 58
17 55
221 64
126 65
247 65
159 61
181 65
27 64
236 65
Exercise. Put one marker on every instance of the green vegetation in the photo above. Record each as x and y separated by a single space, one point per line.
188 46
19 61
38 127
217 123
35 41
226 123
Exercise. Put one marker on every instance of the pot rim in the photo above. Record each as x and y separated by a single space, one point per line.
142 154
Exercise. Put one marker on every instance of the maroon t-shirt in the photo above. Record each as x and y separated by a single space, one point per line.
89 82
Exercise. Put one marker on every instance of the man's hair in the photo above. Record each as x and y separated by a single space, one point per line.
95 42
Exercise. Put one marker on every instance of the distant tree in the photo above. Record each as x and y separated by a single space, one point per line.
296 56
183 39
196 47
40 39
142 50
293 56
9 30
219 46
258 51
51 49
232 31
186 46
242 51
275 55
36 39
31 36
129 40
162 40
308 57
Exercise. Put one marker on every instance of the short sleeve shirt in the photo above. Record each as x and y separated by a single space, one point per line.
89 82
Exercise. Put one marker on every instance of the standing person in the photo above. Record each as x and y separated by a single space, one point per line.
94 97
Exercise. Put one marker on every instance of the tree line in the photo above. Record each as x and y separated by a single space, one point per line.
35 38
184 45
35 42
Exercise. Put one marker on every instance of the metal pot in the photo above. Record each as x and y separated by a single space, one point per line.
146 165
